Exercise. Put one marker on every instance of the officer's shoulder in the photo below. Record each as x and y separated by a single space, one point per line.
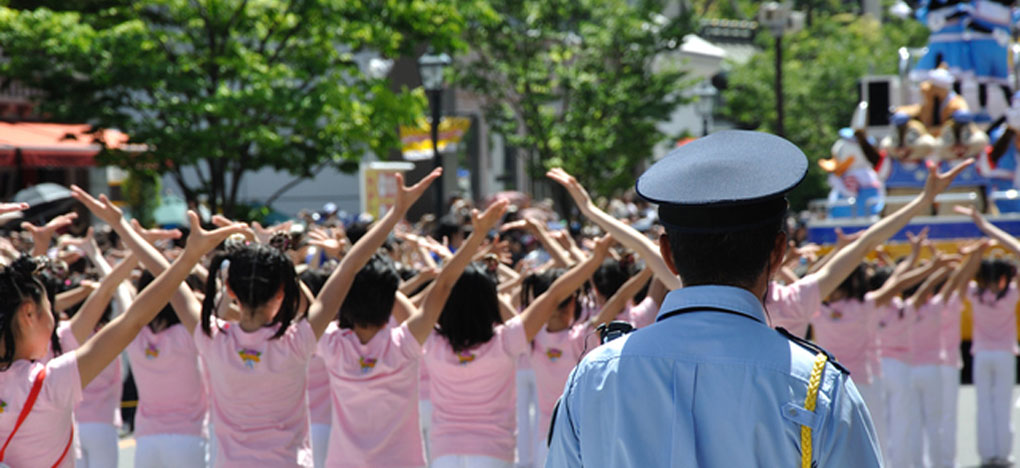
805 352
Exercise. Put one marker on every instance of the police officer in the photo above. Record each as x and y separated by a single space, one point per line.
710 384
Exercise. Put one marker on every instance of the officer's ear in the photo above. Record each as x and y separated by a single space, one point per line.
667 253
778 253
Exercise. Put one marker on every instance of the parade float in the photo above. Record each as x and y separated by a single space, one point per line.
952 100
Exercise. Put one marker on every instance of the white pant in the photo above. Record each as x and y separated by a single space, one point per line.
994 374
425 423
873 399
926 392
98 445
527 417
947 430
320 442
469 461
169 451
896 380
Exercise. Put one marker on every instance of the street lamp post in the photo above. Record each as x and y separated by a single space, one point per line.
705 103
779 19
431 67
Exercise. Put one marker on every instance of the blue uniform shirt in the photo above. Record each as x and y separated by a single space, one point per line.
707 389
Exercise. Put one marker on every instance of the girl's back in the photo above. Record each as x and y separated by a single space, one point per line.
172 396
994 318
259 406
33 444
373 387
473 393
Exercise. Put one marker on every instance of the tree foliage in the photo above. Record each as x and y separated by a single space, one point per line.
821 68
228 86
576 83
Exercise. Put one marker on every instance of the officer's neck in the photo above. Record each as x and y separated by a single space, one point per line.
760 287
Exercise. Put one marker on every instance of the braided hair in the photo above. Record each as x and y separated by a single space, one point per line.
255 272
18 283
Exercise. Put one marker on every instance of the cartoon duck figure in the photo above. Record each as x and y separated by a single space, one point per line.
250 357
857 190
465 357
554 354
367 364
151 351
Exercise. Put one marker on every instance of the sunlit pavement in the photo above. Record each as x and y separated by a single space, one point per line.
966 441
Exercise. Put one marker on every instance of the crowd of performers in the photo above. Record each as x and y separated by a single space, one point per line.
387 348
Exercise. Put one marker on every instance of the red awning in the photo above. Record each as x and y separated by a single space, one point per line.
53 145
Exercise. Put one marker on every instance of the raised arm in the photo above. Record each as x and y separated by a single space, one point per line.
96 353
897 283
624 234
1003 237
957 283
834 272
421 324
535 316
42 235
615 304
928 285
185 305
84 322
554 248
335 290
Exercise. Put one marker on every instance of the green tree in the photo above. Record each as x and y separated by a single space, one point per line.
228 86
576 83
821 68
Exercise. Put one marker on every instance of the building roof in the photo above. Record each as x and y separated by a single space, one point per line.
51 144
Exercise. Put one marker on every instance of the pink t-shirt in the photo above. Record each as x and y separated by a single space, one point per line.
641 315
172 396
894 325
553 356
950 334
44 435
926 333
994 319
423 383
374 390
793 306
474 395
845 328
100 401
259 387
318 391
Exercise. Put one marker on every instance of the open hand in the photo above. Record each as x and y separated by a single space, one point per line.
406 196
574 188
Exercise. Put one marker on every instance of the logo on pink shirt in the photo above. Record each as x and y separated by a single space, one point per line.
366 364
836 315
3 406
151 351
554 354
250 357
465 357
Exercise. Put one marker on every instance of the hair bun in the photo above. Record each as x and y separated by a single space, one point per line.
26 265
235 242
281 241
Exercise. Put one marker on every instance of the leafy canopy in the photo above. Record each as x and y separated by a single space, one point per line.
228 86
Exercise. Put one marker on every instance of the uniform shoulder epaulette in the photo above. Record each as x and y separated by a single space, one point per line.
813 348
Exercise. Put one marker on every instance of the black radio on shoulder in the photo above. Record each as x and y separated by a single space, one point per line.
613 330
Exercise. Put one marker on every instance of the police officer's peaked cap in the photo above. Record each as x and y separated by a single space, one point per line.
728 181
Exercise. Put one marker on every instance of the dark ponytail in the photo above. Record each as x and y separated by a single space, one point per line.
255 272
17 285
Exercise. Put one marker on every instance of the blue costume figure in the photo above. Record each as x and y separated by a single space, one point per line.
947 20
709 384
1000 165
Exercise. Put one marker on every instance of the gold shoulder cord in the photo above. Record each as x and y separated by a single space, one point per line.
809 404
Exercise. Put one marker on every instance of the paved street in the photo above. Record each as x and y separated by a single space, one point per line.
966 440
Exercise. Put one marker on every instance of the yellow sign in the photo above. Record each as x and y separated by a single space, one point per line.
379 186
416 141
